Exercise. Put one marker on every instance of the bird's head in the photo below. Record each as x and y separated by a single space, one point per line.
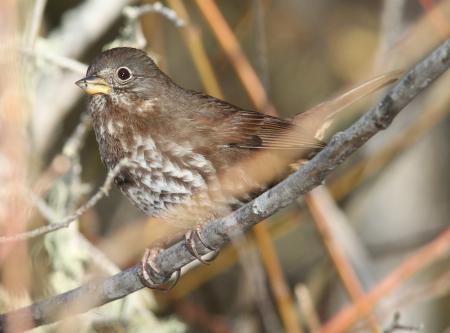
121 71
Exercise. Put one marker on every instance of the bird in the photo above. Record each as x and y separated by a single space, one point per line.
181 144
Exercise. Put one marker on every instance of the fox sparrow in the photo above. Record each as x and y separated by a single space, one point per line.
179 142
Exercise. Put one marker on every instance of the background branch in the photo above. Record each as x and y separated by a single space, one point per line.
65 222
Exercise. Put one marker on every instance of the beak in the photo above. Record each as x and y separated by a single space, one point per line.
93 85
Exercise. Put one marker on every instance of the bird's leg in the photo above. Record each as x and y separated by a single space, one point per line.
192 240
148 272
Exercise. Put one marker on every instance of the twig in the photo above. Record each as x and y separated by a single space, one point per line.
392 25
313 173
236 56
71 39
35 22
135 12
278 282
416 262
395 326
192 37
65 222
401 51
260 25
62 162
255 283
306 307
98 257
131 34
59 60
315 202
435 108
76 140
407 45
438 287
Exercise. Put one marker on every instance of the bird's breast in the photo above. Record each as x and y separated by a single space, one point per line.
163 174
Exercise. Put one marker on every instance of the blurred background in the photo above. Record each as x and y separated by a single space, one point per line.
291 273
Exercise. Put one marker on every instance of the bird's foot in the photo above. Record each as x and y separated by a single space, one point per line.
192 239
148 272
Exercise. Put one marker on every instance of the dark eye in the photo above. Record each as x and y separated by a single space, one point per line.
123 73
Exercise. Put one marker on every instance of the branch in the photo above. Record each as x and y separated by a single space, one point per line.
35 22
236 56
219 232
132 33
135 12
347 317
68 220
321 213
72 38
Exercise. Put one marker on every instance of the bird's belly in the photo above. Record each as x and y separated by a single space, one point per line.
154 191
163 178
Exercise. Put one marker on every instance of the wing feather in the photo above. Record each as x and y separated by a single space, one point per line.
236 127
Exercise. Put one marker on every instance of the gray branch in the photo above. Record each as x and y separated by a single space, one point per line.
219 232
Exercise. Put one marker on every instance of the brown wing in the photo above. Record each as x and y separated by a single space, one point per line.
239 128
247 129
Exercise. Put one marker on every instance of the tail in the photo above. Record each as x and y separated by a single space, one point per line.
317 119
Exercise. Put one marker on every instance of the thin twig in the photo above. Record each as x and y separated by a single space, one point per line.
219 232
435 109
65 222
135 12
132 34
76 140
416 262
392 25
236 56
260 27
192 37
306 307
71 38
35 22
315 202
97 256
438 286
61 61
277 281
62 162
396 326
255 283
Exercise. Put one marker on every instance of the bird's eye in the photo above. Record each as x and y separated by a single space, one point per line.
123 73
